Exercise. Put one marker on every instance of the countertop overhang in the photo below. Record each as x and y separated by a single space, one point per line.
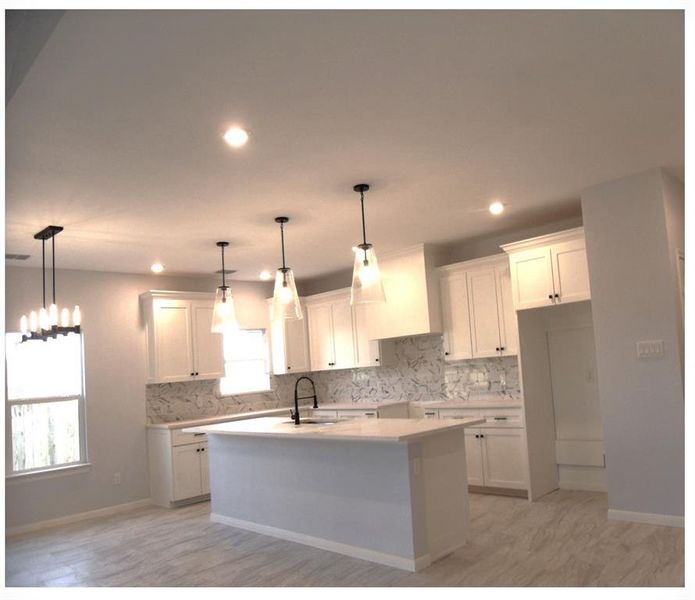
369 430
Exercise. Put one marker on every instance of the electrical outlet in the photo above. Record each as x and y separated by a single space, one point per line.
650 349
116 479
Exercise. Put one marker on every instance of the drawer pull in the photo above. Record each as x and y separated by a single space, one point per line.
500 418
197 434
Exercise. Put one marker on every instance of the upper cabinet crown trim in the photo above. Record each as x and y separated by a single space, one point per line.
544 240
170 294
486 261
327 295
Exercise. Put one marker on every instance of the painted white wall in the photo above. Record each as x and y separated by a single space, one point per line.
632 283
115 374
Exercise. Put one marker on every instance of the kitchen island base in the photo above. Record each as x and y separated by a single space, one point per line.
403 504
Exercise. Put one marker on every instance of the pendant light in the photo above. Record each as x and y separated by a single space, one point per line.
366 278
223 314
44 324
285 298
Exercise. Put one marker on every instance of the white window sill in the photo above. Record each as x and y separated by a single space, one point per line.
48 473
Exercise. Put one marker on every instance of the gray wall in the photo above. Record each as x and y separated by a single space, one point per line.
629 244
115 365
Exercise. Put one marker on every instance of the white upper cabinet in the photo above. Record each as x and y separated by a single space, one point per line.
548 270
484 315
289 340
455 317
331 339
180 346
208 360
338 334
477 312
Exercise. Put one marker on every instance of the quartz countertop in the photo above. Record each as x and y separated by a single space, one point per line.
225 418
476 405
369 430
360 405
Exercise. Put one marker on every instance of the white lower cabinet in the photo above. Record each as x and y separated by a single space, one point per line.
495 450
178 466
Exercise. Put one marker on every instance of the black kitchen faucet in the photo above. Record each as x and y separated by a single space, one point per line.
295 414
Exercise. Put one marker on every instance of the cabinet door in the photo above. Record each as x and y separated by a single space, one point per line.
503 458
482 307
532 278
571 271
509 329
187 483
297 345
366 350
474 458
208 356
173 341
204 470
320 336
343 339
455 318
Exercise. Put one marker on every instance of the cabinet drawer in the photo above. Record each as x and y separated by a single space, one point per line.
458 413
500 417
324 413
431 414
357 414
179 438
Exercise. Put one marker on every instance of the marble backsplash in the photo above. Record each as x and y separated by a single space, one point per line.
420 374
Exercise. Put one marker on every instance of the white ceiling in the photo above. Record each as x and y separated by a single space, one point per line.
115 131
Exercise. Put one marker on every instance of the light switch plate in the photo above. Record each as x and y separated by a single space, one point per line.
650 349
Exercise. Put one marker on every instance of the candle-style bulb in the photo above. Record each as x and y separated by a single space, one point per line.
76 316
65 318
53 315
24 325
33 321
43 319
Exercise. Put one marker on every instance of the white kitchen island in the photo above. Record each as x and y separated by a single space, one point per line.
392 491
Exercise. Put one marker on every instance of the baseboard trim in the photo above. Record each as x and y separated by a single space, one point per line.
390 560
83 516
582 486
650 518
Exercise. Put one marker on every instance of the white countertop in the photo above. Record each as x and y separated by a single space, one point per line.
374 430
360 405
225 418
477 405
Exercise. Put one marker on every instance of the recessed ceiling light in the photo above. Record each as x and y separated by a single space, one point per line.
265 275
157 267
496 208
236 137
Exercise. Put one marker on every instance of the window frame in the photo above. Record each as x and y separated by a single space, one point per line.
266 361
83 460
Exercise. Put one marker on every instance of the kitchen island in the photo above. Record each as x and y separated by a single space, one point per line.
392 491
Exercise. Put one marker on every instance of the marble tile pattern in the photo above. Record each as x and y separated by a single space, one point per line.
420 374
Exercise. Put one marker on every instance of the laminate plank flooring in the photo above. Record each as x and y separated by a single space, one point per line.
564 539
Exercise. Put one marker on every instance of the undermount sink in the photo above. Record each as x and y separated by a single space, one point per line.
315 421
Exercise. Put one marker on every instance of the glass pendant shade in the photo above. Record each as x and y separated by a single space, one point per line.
24 325
53 314
367 285
285 298
223 313
76 316
33 321
43 319
65 318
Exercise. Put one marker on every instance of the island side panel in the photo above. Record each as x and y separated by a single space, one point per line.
352 493
440 487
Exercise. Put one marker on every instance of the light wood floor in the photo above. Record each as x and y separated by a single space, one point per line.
562 540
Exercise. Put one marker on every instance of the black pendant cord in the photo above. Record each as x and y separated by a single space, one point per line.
53 270
364 227
224 285
43 270
282 242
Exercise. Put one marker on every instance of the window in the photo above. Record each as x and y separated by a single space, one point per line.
245 362
45 402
